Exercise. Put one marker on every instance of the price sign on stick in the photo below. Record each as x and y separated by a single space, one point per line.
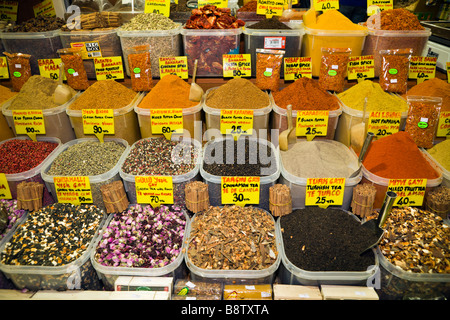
5 192
240 190
73 190
98 122
29 122
410 192
155 190
324 192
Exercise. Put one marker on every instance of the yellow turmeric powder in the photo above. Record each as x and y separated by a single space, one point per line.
329 20
441 153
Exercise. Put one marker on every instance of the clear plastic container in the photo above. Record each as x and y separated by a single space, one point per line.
279 119
179 181
291 274
263 276
378 40
79 274
96 181
33 174
57 122
125 122
249 16
290 41
298 185
163 43
108 274
107 40
5 130
261 117
445 172
208 46
40 45
381 184
215 182
398 284
314 40
192 121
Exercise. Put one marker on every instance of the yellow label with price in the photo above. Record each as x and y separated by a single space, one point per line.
297 67
236 122
375 6
4 71
384 123
29 122
98 122
410 192
166 121
443 129
108 68
155 190
447 65
270 8
324 5
5 192
8 10
240 190
49 68
361 67
311 123
174 65
217 3
422 68
324 192
73 190
237 65
157 6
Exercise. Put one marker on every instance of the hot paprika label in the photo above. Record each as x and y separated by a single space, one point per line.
384 123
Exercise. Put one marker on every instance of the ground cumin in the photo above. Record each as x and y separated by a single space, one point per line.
36 94
434 87
6 93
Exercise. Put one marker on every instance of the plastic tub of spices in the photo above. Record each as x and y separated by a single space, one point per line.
439 154
66 268
216 164
128 265
314 158
247 274
292 274
153 152
96 181
33 174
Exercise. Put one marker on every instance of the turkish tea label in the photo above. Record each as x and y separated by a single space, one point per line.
174 65
73 190
297 67
410 192
237 65
155 190
360 67
384 123
324 192
240 190
311 123
5 192
108 68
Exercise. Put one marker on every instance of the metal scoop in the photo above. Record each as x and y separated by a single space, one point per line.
363 152
376 225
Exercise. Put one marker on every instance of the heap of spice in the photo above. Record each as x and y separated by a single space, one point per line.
269 23
305 94
417 241
441 153
232 238
316 239
398 157
249 6
149 21
329 20
9 215
394 19
55 235
170 92
434 87
20 155
142 237
5 94
42 23
237 93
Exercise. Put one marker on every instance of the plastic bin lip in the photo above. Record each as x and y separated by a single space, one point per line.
176 178
92 179
339 33
296 30
445 172
331 113
80 32
399 33
136 271
216 111
149 33
210 32
302 181
263 179
186 111
36 170
359 113
232 274
30 35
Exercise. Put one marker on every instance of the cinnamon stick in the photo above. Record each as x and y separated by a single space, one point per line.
363 199
280 200
114 197
196 196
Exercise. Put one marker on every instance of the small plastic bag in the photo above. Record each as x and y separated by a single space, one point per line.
394 70
74 68
140 68
19 69
333 68
422 120
268 69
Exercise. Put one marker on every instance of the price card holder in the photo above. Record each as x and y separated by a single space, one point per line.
217 3
297 67
422 68
5 192
236 122
29 122
73 190
383 123
410 192
270 8
375 6
4 71
174 65
98 122
157 6
311 123
237 65
8 10
240 190
324 5
444 125
361 67
166 121
447 65
44 8
49 68
108 68
155 190
324 192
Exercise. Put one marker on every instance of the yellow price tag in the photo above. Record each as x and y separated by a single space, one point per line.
410 192
324 5
5 192
73 190
89 49
236 122
361 67
384 123
240 190
49 68
29 122
270 8
422 68
108 68
98 122
4 72
375 6
237 65
311 123
155 190
443 129
8 10
157 6
44 8
166 121
447 64
174 65
217 3
297 67
324 192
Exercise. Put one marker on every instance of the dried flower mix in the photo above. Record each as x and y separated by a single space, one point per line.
13 214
